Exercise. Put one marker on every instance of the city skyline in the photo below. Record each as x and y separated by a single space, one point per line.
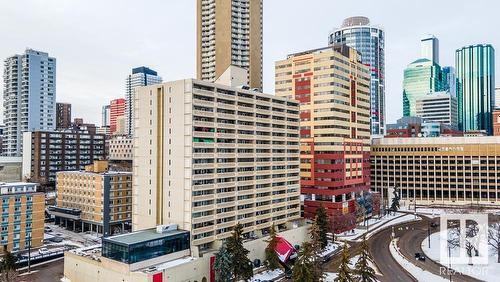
82 78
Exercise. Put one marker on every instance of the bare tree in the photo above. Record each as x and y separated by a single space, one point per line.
494 238
471 242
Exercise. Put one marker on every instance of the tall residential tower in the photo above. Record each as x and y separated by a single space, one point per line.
29 97
229 33
475 66
141 76
369 40
208 156
333 88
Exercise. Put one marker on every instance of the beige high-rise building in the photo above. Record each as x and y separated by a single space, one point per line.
229 33
207 156
333 88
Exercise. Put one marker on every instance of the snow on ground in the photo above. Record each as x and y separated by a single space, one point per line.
417 272
331 248
267 275
354 260
489 272
78 239
329 276
373 224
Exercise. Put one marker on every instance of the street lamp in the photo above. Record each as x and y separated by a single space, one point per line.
429 233
29 253
449 261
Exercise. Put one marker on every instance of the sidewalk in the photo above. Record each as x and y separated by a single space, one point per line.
389 220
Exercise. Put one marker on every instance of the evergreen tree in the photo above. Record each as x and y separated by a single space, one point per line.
303 269
344 273
363 271
322 222
8 267
316 250
272 261
241 266
222 265
395 200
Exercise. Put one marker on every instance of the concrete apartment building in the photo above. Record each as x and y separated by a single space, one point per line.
333 88
438 107
234 152
121 148
141 76
95 199
63 115
229 32
29 97
446 170
47 152
120 153
23 215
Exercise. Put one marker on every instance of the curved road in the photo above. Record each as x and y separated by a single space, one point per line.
387 265
410 243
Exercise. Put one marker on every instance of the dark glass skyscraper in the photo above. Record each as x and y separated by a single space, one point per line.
475 66
369 40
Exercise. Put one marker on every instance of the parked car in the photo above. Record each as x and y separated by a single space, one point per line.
56 239
43 251
47 229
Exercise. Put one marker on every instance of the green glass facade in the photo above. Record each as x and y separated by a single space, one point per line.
420 78
475 66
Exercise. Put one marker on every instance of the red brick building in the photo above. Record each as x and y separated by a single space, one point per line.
496 122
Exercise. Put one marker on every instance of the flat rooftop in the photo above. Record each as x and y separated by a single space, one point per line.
437 141
141 236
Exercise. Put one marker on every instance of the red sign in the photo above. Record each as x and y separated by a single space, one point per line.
158 277
212 270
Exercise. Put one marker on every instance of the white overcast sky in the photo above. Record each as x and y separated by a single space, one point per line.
96 43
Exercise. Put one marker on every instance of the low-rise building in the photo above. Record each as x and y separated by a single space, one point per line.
22 216
446 171
440 107
11 169
151 255
47 152
418 127
94 200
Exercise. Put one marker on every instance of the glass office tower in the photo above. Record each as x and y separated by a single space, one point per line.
369 40
420 78
475 66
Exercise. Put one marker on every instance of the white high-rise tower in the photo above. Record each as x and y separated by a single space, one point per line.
141 76
29 97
